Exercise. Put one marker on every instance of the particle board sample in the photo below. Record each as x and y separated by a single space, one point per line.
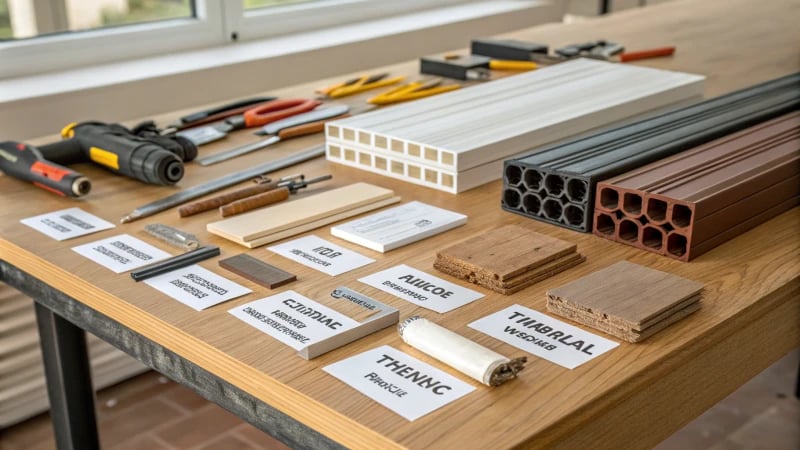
288 215
507 259
257 271
626 300
687 204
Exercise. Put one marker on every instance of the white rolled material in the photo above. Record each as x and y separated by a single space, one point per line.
468 357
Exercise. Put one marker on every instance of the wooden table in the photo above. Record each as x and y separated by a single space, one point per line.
635 395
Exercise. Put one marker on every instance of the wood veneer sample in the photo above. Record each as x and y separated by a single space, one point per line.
257 271
321 222
262 222
507 259
626 300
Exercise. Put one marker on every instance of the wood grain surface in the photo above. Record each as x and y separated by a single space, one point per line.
507 259
633 396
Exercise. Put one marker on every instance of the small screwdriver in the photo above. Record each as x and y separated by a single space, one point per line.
267 198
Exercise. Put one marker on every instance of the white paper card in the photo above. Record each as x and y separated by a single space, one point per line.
421 288
67 223
197 287
293 319
544 336
121 253
317 253
398 226
398 381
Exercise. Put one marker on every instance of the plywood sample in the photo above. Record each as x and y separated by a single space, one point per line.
288 215
626 300
507 259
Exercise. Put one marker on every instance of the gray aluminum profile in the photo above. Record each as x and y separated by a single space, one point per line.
557 184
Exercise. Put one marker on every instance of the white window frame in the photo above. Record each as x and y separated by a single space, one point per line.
217 22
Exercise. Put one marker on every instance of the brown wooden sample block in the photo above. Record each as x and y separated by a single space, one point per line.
507 259
257 271
626 300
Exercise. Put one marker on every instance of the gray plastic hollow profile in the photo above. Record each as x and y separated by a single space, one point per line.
562 178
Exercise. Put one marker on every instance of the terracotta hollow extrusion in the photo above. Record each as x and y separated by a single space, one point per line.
616 150
705 196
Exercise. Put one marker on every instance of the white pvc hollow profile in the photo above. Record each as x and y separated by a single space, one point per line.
469 127
460 353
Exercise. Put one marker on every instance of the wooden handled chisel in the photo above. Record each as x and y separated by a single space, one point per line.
294 126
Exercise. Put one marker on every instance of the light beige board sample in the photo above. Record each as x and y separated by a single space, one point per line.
266 221
320 222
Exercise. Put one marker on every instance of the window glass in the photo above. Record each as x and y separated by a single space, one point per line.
5 21
29 18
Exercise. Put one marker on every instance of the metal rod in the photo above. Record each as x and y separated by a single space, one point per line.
221 183
69 381
238 151
176 262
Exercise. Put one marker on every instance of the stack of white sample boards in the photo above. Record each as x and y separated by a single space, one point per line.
458 140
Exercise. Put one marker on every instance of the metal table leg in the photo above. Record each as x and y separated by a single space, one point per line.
69 381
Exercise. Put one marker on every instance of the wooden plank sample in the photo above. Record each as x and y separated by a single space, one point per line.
263 240
257 271
266 221
691 202
507 259
626 300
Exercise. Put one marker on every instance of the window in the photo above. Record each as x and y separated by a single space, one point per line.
45 35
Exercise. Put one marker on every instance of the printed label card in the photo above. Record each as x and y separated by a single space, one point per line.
398 226
400 382
317 253
421 288
293 319
67 223
197 287
543 336
121 253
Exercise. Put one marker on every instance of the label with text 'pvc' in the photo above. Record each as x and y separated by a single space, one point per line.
421 288
398 381
543 336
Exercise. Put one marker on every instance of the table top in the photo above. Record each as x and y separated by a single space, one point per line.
636 394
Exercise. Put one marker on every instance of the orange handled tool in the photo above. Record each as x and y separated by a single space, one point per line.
645 54
261 114
298 125
276 110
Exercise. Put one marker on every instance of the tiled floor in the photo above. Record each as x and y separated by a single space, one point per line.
151 412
